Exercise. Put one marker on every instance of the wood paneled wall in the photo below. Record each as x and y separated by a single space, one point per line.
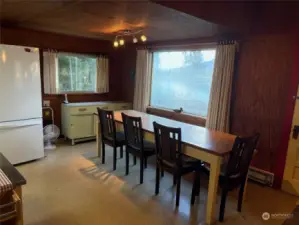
261 92
118 61
261 87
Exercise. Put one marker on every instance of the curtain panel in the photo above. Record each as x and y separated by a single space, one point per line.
221 89
143 79
50 72
102 74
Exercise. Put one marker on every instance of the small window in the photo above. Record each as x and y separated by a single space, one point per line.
182 79
76 73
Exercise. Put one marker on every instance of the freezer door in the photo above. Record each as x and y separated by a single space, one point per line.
20 83
22 141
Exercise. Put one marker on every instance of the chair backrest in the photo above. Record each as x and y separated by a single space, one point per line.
240 156
107 124
168 144
133 131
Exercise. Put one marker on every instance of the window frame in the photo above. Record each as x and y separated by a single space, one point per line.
170 113
57 67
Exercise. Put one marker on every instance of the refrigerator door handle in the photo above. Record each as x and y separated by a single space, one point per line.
10 127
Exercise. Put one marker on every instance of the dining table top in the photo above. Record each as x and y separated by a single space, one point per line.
214 142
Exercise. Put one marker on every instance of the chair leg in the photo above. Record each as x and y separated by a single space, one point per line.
103 153
162 171
145 162
157 179
222 204
174 180
141 169
198 183
196 187
178 190
114 158
135 160
121 151
127 162
240 199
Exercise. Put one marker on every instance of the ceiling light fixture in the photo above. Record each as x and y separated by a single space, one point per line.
121 41
123 33
143 38
135 40
115 44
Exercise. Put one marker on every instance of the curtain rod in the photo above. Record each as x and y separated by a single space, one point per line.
74 53
175 46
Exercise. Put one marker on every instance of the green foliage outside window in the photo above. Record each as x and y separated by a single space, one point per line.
76 73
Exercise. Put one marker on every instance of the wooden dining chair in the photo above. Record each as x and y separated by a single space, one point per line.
109 134
234 171
135 143
170 157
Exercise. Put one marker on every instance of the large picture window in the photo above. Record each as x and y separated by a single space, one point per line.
182 79
76 73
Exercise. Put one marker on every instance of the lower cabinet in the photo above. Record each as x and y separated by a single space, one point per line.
78 119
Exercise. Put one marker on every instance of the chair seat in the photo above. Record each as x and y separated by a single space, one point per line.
189 164
120 138
206 168
148 147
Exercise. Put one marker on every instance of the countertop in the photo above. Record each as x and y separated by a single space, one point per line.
91 103
11 172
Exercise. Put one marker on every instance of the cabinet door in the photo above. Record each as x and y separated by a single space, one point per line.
82 126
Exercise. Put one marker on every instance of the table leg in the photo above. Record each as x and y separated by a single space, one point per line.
213 186
20 220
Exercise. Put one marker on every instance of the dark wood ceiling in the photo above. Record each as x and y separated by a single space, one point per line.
101 19
243 16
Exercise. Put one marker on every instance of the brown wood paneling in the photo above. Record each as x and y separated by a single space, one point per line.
103 19
263 79
250 17
47 40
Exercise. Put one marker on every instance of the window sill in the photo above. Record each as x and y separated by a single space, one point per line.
77 93
186 118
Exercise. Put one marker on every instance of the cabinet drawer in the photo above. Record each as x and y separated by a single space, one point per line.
122 106
87 109
82 110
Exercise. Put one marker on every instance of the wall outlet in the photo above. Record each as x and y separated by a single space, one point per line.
46 103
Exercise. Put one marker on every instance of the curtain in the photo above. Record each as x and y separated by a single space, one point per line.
220 95
50 72
143 80
102 74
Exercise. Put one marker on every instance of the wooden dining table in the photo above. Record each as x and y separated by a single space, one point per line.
198 142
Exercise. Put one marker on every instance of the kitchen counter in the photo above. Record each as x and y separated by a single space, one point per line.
11 172
17 180
91 103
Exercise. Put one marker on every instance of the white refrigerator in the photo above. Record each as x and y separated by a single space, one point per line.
21 131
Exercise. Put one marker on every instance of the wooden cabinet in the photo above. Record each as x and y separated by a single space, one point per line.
78 119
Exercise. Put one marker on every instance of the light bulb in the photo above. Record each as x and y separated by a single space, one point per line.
115 44
3 56
143 38
121 41
135 40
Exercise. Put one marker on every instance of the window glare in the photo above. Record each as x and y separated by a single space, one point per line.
183 79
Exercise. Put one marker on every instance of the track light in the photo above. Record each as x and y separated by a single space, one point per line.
135 40
121 42
115 44
143 38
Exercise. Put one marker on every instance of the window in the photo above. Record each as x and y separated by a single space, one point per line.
76 73
182 79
